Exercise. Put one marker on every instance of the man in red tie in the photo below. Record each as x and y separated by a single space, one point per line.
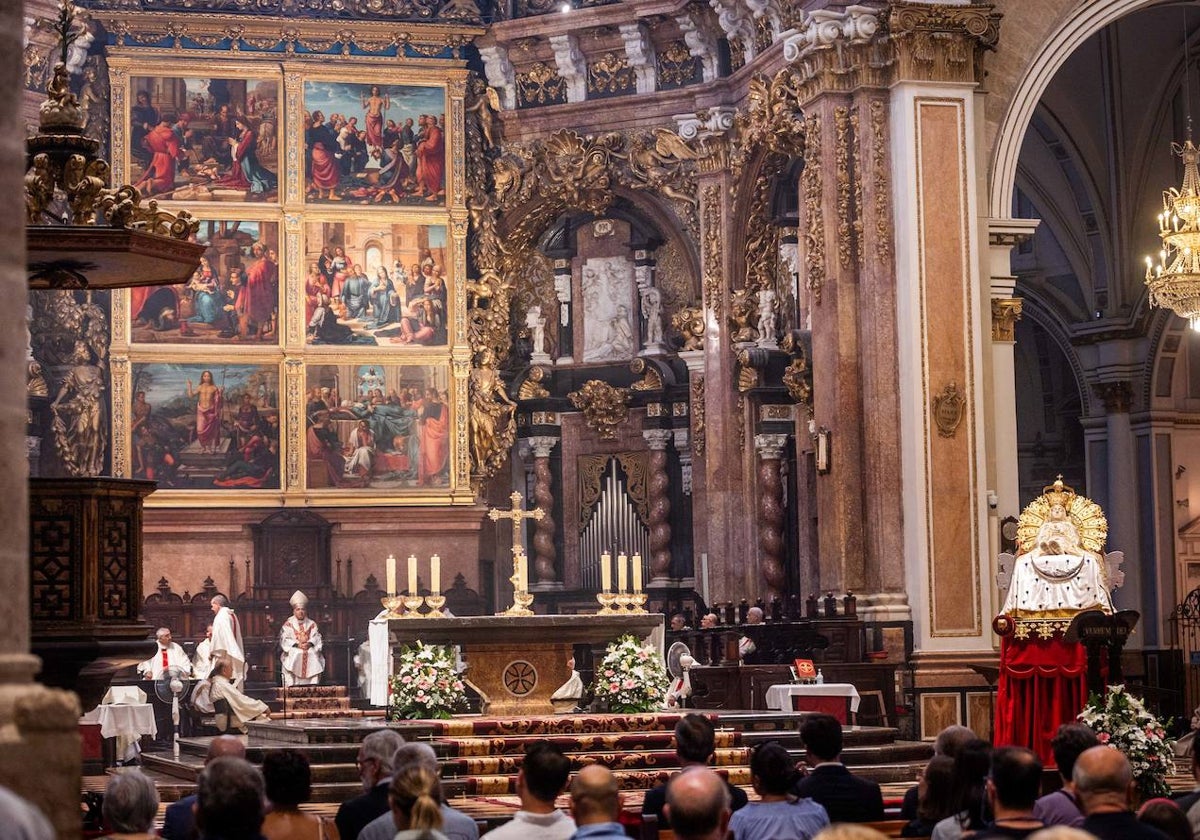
168 655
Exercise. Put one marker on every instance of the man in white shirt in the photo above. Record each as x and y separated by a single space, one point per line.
168 655
301 642
542 777
227 636
202 663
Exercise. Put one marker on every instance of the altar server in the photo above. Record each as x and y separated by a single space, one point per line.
301 642
168 655
227 637
202 663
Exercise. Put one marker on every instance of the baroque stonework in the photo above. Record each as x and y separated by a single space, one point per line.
604 407
1005 314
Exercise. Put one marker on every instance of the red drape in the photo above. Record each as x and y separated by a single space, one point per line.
1043 683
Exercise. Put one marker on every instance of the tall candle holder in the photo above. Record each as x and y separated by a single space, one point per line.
637 603
606 599
623 599
394 605
435 604
521 602
412 605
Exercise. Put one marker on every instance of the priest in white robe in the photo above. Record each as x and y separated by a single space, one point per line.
227 637
168 655
301 642
202 661
219 686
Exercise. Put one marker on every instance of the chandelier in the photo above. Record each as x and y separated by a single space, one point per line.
1174 282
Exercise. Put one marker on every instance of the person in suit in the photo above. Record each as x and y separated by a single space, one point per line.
1105 787
375 755
179 822
695 745
844 796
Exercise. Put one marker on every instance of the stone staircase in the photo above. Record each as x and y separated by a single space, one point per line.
303 702
481 756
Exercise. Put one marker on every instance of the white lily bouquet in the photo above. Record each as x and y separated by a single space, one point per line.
632 678
1122 722
425 684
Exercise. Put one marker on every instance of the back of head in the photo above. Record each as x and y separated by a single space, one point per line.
545 770
287 777
695 739
698 804
971 767
382 746
1016 777
229 799
226 746
822 736
1069 742
772 769
1167 817
594 795
1102 772
415 793
220 600
937 785
130 803
951 739
415 754
849 831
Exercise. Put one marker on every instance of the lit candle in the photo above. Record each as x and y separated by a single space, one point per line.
622 572
412 574
435 575
637 573
606 572
391 575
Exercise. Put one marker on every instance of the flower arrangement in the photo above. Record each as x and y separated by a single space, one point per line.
425 684
632 678
1122 722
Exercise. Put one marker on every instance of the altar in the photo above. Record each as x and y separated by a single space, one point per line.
517 662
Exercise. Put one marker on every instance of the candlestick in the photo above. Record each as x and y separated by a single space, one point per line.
412 574
637 572
522 571
435 574
622 572
606 572
391 575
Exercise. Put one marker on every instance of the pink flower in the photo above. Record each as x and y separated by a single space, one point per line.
613 687
1103 737
406 679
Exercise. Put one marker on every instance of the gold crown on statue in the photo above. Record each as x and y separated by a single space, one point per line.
1059 493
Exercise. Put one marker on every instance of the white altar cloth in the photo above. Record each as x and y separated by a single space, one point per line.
128 720
779 697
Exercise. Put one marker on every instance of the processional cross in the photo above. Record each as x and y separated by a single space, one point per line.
520 577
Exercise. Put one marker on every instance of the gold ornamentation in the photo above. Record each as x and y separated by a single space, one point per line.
492 427
841 159
689 322
857 176
532 388
655 166
698 427
948 409
611 74
541 85
798 381
810 188
713 270
651 379
1042 629
747 376
676 65
881 180
1005 314
939 42
604 407
1084 514
771 122
743 316
294 394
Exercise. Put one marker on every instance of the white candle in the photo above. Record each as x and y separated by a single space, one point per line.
522 571
622 572
435 575
704 578
412 574
391 575
606 572
637 573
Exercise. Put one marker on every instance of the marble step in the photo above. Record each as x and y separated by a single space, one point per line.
619 759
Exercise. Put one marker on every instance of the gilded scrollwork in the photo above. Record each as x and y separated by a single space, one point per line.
611 74
843 138
743 316
698 427
712 238
604 407
541 85
881 180
689 323
676 65
651 379
814 224
772 121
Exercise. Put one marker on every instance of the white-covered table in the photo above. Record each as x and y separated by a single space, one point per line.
825 697
126 722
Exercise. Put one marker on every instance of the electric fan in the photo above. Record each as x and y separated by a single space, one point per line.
679 662
173 687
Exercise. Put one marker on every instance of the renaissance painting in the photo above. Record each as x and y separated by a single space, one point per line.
196 139
368 283
383 427
205 426
374 144
232 298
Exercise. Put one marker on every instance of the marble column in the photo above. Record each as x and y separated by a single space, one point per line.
660 506
544 556
39 742
771 514
1122 509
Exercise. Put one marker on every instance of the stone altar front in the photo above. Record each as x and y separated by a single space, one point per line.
515 662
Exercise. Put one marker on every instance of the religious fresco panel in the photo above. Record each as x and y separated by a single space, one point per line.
376 284
377 427
374 144
204 139
205 426
232 298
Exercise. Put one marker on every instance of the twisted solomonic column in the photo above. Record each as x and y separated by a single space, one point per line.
770 512
543 534
660 504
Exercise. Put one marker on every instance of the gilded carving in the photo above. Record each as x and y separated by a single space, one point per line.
676 65
611 74
541 85
842 176
532 388
294 394
772 121
940 42
798 381
881 179
712 249
814 227
857 181
743 316
651 379
689 323
948 409
1005 314
604 407
415 11
698 427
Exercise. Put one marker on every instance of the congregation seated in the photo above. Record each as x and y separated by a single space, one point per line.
229 800
695 745
413 797
1106 790
374 761
288 781
542 777
698 802
1012 789
777 814
947 744
846 797
180 820
933 797
455 824
596 804
968 795
130 806
1062 806
1167 817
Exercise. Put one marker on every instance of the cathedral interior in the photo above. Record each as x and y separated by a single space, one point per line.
799 301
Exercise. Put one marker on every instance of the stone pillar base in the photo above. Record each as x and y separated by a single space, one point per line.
884 606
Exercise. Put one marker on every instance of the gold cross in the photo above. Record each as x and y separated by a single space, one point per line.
516 515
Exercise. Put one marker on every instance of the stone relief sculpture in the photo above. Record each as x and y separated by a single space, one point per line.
607 327
652 312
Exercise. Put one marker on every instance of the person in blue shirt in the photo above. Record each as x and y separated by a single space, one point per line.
596 805
777 815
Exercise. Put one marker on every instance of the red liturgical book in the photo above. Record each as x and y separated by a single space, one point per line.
805 669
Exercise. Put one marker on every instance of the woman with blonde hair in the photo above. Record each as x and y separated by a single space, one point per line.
414 796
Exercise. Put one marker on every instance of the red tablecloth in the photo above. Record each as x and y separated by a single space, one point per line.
1043 683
